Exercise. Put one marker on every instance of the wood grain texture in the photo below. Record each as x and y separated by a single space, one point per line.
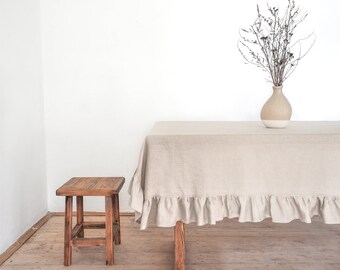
93 214
91 186
22 239
80 215
88 242
227 245
116 217
76 230
179 239
109 230
94 225
68 231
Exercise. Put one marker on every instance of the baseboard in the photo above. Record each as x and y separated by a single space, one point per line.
22 239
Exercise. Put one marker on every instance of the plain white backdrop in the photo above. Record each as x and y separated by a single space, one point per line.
23 199
112 68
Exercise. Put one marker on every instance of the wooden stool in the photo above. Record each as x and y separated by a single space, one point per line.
91 186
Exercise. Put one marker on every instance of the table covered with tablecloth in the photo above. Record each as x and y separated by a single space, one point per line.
204 172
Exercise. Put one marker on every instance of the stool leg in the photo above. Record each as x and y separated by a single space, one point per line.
116 217
80 215
109 231
68 231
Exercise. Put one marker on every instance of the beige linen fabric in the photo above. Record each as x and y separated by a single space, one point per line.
206 171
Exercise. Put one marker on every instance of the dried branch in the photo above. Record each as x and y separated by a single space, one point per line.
267 43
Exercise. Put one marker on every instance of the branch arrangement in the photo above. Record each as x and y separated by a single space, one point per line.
268 42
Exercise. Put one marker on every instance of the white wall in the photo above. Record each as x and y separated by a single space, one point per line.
113 68
23 198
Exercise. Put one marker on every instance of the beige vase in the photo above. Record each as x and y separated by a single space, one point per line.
276 112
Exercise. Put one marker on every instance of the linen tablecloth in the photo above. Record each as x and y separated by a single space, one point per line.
206 171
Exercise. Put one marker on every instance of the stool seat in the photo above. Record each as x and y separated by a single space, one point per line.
91 186
108 187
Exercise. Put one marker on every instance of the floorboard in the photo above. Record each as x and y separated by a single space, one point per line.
227 245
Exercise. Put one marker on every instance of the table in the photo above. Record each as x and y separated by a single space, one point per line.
204 172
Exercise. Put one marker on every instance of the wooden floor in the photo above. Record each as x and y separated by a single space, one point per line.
228 245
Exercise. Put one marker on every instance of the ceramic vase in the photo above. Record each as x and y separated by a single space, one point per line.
276 112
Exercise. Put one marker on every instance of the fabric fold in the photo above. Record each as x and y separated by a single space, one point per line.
204 172
165 212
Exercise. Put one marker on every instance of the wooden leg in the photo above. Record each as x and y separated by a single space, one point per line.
109 231
68 231
179 246
116 215
80 215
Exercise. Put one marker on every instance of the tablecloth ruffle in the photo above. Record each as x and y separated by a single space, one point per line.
205 172
165 212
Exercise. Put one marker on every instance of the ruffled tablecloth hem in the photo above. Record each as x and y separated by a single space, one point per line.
165 212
